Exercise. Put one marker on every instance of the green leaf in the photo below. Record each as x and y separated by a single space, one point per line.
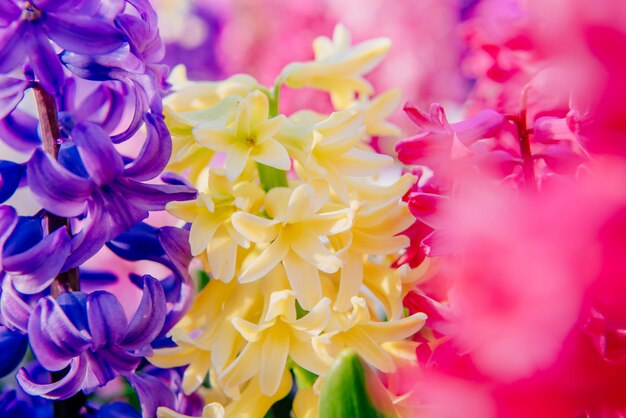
352 390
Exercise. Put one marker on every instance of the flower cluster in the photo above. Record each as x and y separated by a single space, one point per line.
520 215
297 222
93 70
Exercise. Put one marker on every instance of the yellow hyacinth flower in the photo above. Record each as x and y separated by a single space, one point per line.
249 137
278 336
209 215
294 234
378 110
212 410
332 150
311 249
338 67
356 330
187 155
199 95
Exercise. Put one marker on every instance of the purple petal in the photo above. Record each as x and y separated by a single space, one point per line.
13 346
175 242
117 410
56 5
141 103
107 321
44 60
154 154
117 105
14 311
11 175
8 220
152 393
92 104
11 94
107 9
54 338
68 386
83 34
152 197
19 131
100 371
9 12
122 212
99 156
12 52
58 190
121 360
91 238
34 269
148 320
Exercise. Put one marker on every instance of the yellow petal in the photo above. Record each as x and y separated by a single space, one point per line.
273 359
314 322
186 211
236 159
267 129
378 245
357 162
331 223
271 153
301 204
249 331
304 280
253 404
308 246
397 329
245 366
368 349
222 255
276 202
305 404
350 280
255 228
281 303
196 372
215 138
201 232
305 356
265 261
258 108
166 358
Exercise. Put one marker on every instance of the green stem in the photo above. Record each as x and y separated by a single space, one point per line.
272 177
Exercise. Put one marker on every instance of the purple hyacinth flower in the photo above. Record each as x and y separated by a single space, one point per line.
115 410
98 183
80 102
13 346
15 403
91 335
33 260
29 26
19 131
11 175
137 64
168 246
11 94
